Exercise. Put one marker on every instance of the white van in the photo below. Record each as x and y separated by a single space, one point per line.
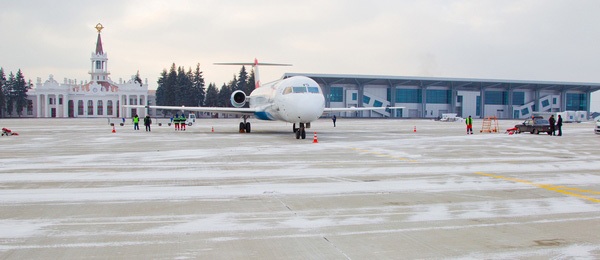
191 119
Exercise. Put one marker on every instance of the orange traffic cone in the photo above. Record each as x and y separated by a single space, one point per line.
114 131
315 139
415 129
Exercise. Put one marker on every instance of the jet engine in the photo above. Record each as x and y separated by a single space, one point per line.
238 98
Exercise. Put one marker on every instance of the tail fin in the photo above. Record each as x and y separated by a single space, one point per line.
254 68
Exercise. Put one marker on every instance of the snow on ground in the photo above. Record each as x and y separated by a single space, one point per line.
370 188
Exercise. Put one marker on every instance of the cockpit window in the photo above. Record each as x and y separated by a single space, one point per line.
287 90
313 90
299 89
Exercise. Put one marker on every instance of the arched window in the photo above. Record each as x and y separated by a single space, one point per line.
80 107
90 108
100 108
109 108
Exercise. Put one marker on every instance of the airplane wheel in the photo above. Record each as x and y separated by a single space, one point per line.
294 129
303 134
298 134
248 127
242 127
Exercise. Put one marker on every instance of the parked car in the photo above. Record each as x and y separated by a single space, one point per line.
598 127
534 125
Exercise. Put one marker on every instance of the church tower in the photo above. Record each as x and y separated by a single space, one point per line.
99 59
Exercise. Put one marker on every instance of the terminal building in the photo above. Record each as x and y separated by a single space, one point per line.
98 97
425 97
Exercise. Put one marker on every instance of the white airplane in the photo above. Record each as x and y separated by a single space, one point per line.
298 100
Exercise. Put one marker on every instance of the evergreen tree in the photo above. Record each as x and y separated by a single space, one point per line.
171 87
251 83
10 97
161 91
225 94
212 96
198 86
182 88
20 92
3 91
241 83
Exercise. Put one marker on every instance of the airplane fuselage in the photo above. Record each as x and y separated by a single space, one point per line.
296 99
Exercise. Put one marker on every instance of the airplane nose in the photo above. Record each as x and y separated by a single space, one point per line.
305 108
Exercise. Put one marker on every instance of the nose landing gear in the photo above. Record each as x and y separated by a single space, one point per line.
300 132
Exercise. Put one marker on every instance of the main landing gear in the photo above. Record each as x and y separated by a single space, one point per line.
300 132
245 126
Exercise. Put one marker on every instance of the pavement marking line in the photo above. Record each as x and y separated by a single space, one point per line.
383 155
560 189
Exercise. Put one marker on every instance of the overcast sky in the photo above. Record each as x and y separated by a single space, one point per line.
547 40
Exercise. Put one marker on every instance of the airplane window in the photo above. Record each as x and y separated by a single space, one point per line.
300 89
287 90
313 90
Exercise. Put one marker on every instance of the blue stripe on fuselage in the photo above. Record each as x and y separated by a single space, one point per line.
262 115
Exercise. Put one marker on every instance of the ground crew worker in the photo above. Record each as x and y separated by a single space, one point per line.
136 122
559 125
147 123
182 121
176 121
552 122
469 122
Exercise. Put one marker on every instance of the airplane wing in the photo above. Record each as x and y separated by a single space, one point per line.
229 110
343 109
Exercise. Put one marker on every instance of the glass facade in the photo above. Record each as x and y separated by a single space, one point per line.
519 98
336 94
478 108
408 95
437 96
496 98
576 102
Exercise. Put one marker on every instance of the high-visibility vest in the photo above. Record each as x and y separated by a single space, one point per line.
469 121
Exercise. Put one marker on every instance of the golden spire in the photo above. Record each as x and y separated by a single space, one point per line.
99 27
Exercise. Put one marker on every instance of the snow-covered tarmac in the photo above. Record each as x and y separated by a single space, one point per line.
369 189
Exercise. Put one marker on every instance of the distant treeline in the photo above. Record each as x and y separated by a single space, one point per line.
179 88
13 94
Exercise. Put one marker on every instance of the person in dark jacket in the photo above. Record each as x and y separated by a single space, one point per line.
559 125
147 123
552 124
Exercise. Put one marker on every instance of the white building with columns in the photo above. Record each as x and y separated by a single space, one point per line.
98 97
